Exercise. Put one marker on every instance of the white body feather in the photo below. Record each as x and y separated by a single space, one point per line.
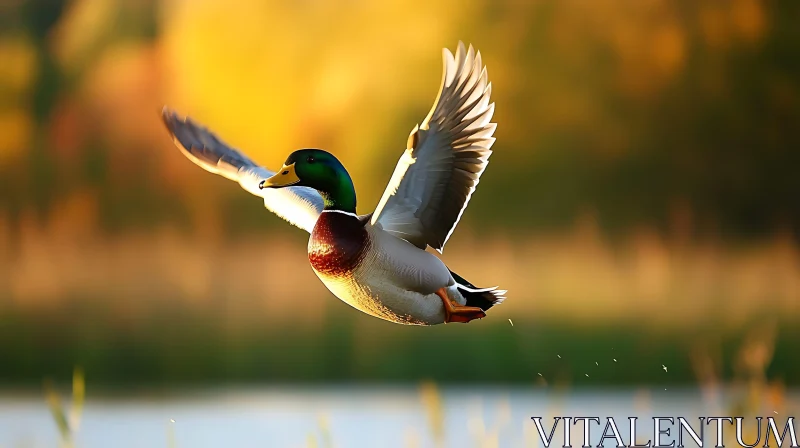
396 281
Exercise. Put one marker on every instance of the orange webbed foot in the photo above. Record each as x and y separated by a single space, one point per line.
454 312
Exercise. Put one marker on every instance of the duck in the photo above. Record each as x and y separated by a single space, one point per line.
378 263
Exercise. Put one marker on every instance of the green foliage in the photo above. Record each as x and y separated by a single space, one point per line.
180 349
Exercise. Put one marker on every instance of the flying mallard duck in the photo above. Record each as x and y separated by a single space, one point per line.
377 263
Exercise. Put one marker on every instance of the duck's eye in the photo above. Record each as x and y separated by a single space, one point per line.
310 159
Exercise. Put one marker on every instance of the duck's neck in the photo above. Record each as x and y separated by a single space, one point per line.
340 195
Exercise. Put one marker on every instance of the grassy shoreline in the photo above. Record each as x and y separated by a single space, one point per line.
188 349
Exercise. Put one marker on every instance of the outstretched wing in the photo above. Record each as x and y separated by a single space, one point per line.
446 154
300 206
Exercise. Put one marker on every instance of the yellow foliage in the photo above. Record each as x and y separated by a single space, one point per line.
83 24
18 69
272 77
15 133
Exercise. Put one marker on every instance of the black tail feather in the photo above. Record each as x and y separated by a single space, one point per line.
483 298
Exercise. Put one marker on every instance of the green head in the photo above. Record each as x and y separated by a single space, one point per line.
321 171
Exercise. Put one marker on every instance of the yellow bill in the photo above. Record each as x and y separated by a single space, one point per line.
283 178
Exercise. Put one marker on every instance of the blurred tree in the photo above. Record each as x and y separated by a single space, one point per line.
628 111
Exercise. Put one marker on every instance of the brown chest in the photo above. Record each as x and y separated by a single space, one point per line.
338 244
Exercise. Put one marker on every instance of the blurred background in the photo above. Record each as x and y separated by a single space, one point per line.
641 206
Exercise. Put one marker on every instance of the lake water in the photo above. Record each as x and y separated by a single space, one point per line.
367 417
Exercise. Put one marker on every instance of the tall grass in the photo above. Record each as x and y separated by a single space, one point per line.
67 419
578 275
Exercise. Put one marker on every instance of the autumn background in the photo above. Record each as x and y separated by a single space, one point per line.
642 203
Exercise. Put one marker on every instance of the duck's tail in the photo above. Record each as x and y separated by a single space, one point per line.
483 298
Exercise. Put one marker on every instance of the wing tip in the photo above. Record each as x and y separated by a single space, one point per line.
446 52
202 147
455 62
170 118
173 121
167 112
463 50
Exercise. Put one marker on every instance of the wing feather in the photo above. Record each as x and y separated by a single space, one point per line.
446 155
300 206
